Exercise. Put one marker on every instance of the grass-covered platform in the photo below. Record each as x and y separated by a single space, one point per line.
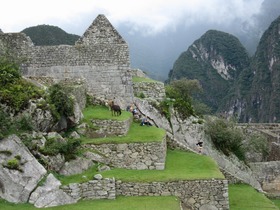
121 203
245 197
136 133
180 165
103 113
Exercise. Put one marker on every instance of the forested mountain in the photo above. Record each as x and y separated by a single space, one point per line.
49 35
216 60
264 101
246 87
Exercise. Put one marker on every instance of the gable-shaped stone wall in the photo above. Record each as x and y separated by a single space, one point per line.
100 56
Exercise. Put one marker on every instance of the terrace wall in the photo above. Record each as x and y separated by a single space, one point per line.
138 156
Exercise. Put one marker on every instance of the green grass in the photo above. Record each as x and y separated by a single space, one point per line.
136 134
276 202
142 79
244 197
179 166
103 113
121 203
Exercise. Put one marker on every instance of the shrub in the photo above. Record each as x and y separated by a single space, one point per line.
9 71
181 91
17 95
258 143
68 148
12 164
6 152
226 137
141 95
25 123
164 107
5 123
63 102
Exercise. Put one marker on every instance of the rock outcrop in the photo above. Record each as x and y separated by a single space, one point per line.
50 194
20 172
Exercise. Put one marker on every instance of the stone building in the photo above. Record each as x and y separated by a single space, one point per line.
100 57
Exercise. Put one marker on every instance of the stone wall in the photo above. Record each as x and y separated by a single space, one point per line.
92 190
111 127
100 56
268 174
153 90
195 194
198 194
138 156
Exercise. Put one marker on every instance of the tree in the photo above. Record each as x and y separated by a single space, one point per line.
181 91
9 71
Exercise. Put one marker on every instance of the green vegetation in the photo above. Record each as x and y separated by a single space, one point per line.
121 203
136 134
9 125
68 148
276 202
257 143
103 113
12 163
15 92
197 63
62 101
142 79
181 92
180 165
245 197
226 137
49 35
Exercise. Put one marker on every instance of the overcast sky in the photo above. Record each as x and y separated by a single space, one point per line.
75 16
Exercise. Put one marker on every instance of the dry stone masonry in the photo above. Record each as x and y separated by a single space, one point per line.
111 127
92 190
207 194
100 56
138 156
100 62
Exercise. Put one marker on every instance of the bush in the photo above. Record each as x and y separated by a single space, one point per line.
9 71
68 148
5 123
258 143
181 91
64 104
226 137
164 107
13 164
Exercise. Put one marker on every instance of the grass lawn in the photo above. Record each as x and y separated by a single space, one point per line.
121 203
276 202
245 197
136 134
179 166
142 79
103 113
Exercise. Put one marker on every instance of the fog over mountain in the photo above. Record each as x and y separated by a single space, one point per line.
157 31
155 54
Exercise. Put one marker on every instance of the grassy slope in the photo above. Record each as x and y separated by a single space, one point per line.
102 112
136 133
244 197
142 79
121 203
179 166
277 202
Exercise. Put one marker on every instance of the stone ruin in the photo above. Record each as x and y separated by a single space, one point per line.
100 57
